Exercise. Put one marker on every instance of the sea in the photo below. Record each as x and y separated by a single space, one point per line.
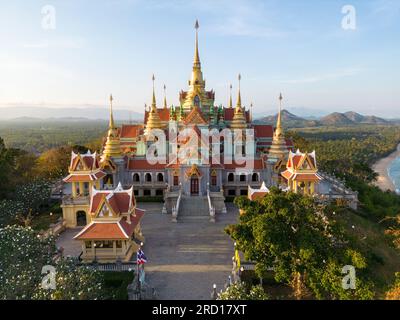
394 173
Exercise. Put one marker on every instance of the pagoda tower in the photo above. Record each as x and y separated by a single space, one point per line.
278 148
239 119
196 96
112 147
153 121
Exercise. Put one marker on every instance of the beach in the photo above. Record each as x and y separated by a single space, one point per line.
381 167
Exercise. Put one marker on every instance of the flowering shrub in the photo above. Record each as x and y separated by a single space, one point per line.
22 256
239 291
27 197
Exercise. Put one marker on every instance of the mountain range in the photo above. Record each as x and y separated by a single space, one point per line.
334 119
32 113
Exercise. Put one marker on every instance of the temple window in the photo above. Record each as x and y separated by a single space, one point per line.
254 177
119 244
159 192
231 177
196 101
160 177
231 192
146 192
136 192
176 180
242 177
136 177
243 192
88 244
148 177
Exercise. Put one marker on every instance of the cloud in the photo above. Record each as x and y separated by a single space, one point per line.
349 72
231 17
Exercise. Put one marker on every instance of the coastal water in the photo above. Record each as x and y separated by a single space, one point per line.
394 173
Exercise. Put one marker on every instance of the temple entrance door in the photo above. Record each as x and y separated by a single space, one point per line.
194 185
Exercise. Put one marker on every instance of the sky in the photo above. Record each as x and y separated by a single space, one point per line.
299 48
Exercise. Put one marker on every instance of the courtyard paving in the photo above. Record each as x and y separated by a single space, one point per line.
185 259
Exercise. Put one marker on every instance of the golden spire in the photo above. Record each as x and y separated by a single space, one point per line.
278 148
111 124
278 130
165 97
153 103
230 96
196 61
153 120
112 147
239 120
239 99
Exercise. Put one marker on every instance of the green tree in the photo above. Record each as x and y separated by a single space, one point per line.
297 238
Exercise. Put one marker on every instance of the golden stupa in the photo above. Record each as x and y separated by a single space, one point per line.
112 147
239 119
153 121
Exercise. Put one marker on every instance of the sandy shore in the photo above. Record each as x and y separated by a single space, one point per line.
381 167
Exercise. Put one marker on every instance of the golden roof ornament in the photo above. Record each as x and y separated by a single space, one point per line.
165 97
230 95
239 119
278 148
153 120
112 147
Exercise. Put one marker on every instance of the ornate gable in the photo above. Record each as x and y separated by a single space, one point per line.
195 117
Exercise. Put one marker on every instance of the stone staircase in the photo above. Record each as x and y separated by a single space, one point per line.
192 208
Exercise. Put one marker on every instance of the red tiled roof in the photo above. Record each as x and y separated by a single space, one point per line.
120 201
263 131
113 230
84 177
143 164
258 165
229 113
257 195
162 112
130 130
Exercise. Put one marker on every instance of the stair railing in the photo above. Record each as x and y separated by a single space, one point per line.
175 210
211 209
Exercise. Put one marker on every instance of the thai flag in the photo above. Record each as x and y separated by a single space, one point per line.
140 257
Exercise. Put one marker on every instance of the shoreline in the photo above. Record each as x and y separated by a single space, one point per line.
384 182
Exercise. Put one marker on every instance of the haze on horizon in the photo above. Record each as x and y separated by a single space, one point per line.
102 47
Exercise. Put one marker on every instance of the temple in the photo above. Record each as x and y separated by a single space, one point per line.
189 170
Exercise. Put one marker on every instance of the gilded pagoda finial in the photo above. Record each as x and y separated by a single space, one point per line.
230 95
165 97
239 99
111 124
153 103
196 50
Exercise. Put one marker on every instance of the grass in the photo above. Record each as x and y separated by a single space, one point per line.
383 258
117 283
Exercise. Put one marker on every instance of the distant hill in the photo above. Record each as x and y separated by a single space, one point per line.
32 113
349 118
289 120
334 119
